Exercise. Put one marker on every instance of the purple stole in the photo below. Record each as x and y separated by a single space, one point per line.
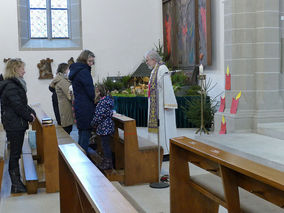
154 103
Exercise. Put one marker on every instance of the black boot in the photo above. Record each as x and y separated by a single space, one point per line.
17 184
106 164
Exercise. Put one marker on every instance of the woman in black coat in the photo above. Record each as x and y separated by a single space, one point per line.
16 115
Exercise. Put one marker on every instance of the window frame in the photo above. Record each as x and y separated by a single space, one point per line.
73 42
49 10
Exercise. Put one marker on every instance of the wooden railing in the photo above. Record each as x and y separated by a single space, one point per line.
47 151
136 156
2 152
238 184
83 188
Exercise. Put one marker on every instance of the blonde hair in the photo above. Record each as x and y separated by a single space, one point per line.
12 65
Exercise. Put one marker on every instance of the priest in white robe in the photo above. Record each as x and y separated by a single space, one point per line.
161 101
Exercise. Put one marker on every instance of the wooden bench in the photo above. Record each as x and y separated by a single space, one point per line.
63 137
30 173
47 153
83 188
1 168
138 157
2 152
236 183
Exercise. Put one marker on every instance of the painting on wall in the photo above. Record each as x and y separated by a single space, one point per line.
179 32
167 22
44 67
185 14
70 61
187 32
204 31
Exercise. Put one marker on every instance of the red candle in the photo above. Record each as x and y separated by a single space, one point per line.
223 126
222 105
228 80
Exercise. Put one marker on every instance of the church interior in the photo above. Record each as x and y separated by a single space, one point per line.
230 160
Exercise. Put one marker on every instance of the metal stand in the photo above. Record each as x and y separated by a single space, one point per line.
159 184
202 79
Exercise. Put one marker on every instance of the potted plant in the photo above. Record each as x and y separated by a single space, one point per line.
192 108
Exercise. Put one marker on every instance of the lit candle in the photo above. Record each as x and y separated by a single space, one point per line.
200 69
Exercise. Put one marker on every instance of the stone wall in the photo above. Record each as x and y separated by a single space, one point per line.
252 51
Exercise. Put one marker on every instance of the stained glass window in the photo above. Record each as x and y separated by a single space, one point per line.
59 23
49 19
37 3
58 4
38 24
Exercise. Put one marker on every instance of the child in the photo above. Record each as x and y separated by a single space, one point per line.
104 125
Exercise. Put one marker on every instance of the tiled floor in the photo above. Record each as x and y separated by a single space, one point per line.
264 149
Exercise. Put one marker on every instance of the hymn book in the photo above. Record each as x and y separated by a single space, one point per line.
46 120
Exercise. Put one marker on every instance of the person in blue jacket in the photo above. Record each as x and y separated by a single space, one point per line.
84 95
104 125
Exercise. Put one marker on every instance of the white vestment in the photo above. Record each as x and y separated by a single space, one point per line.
166 99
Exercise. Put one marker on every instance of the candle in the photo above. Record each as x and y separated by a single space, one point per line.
200 69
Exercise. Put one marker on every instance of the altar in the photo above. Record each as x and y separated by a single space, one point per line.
137 108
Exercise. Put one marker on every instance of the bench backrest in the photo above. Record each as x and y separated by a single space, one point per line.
40 114
99 193
46 144
126 128
2 143
242 165
2 151
263 181
128 125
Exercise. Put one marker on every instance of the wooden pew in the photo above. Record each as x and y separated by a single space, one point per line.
30 173
83 188
2 152
47 153
63 137
230 179
1 170
137 156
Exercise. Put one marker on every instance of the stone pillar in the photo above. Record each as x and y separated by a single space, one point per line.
253 54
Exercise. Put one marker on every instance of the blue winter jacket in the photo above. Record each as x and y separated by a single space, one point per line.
102 120
84 94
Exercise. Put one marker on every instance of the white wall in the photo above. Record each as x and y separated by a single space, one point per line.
118 32
216 71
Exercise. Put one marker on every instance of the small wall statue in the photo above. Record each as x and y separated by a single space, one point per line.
70 61
45 71
6 59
